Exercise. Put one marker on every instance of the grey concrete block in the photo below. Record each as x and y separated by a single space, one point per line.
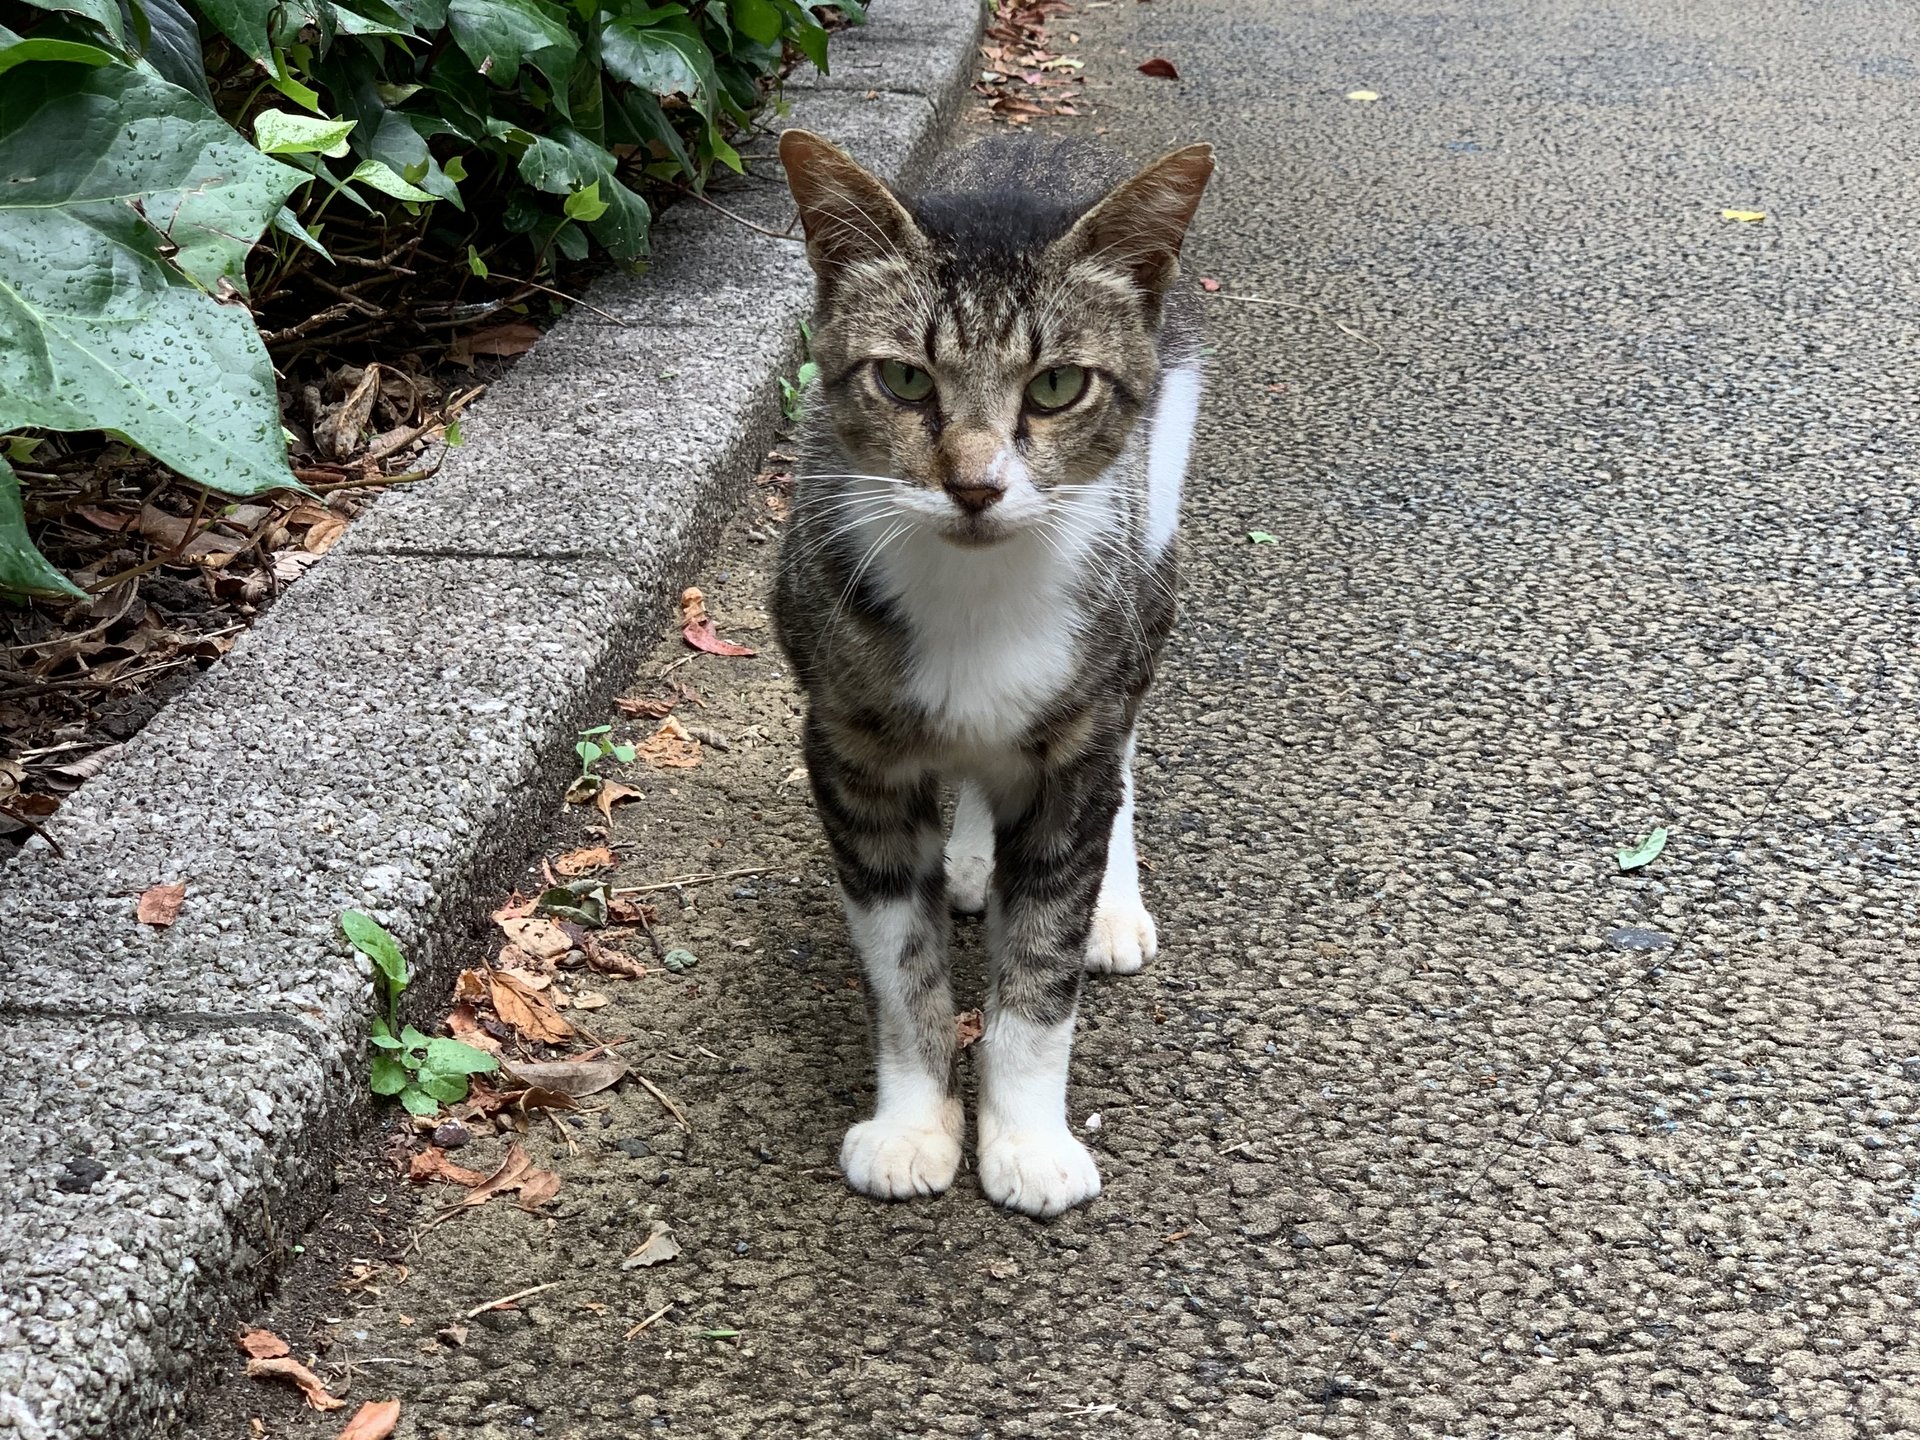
366 746
896 51
148 1171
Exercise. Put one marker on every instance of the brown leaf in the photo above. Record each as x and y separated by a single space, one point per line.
516 1172
703 637
693 605
969 1027
625 910
113 520
373 1421
635 709
464 1024
471 987
658 1248
526 1010
321 537
432 1164
516 909
670 747
338 433
570 1077
513 339
264 1344
539 937
160 904
284 1368
610 794
1159 69
609 961
584 862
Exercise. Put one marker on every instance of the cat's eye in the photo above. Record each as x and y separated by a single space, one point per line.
1057 388
905 382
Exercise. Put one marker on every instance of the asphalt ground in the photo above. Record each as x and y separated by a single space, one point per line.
1593 511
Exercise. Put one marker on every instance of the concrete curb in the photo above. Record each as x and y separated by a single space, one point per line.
390 737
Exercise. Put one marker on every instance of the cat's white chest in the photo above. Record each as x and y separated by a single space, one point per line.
990 639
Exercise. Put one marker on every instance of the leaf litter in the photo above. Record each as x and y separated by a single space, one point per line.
284 1367
657 1249
696 626
373 1421
1021 76
159 905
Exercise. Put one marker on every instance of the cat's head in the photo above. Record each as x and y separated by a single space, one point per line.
988 353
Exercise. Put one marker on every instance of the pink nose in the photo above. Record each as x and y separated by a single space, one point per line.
974 498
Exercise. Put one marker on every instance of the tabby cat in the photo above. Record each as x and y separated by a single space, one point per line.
974 588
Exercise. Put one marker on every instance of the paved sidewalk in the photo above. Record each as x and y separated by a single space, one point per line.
1595 512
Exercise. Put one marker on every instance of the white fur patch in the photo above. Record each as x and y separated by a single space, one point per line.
970 852
1174 419
1123 937
911 1146
1029 1159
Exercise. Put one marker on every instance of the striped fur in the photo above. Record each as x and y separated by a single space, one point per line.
974 590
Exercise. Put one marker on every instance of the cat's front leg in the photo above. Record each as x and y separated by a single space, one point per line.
1052 850
885 834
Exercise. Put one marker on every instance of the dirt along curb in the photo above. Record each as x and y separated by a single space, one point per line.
388 738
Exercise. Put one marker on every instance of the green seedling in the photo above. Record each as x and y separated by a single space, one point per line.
423 1071
1643 854
793 393
592 749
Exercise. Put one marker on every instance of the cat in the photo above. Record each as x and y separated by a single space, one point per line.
974 588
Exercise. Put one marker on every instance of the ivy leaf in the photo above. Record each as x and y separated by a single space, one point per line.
127 195
23 569
383 177
370 938
418 1102
758 20
499 36
585 205
280 132
450 1088
387 1076
242 21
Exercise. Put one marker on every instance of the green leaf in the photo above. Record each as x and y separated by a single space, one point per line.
418 1102
381 176
808 35
123 189
104 13
499 36
585 205
172 47
280 132
242 21
413 1039
23 569
73 52
663 61
1645 853
370 938
756 19
476 264
1261 537
566 161
387 1076
455 1057
450 1088
624 753
454 442
281 78
288 223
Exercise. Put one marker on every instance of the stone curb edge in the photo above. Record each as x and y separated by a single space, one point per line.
392 737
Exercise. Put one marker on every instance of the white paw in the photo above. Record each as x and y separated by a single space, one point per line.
1122 939
1038 1173
967 879
890 1160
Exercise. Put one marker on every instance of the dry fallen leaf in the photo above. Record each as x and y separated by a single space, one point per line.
610 794
284 1368
516 1172
160 904
264 1344
513 339
584 862
470 988
645 709
1004 1269
1159 69
697 626
463 1022
541 938
526 1010
432 1164
591 1000
569 1077
373 1421
609 961
969 1027
659 1247
670 747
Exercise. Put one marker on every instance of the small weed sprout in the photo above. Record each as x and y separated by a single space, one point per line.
422 1070
793 393
594 747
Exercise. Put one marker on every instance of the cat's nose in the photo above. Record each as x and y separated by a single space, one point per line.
973 496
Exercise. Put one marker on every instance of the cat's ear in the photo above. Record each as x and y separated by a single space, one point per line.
1138 228
849 213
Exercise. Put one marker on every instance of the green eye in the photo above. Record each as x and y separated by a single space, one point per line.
904 382
1057 388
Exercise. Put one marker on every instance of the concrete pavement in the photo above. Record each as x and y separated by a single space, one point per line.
1595 512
